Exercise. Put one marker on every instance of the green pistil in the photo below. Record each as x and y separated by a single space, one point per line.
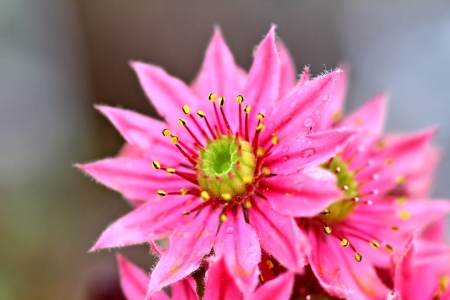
226 167
339 210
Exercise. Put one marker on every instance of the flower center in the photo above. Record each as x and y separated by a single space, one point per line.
339 210
225 167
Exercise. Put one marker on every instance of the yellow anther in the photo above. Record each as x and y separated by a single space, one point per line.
174 139
221 101
269 264
260 151
212 97
327 229
156 165
223 218
394 228
345 243
325 212
337 116
166 132
389 248
404 215
239 99
261 116
374 245
402 200
183 191
260 127
444 281
182 122
226 196
247 109
358 257
381 144
186 109
248 204
389 161
247 179
275 140
289 194
161 193
170 170
266 171
205 196
201 114
261 278
400 180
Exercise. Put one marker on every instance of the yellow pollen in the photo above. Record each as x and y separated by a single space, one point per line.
381 144
212 97
358 257
204 195
183 191
186 109
239 99
275 140
400 180
269 264
260 151
401 200
261 116
266 171
261 278
345 243
357 121
389 248
166 132
404 215
248 204
394 228
326 212
156 165
174 139
221 101
260 127
327 230
247 109
201 114
223 218
247 179
336 116
161 193
389 161
226 196
182 122
170 170
444 281
374 245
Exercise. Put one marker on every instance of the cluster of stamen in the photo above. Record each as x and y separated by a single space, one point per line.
225 166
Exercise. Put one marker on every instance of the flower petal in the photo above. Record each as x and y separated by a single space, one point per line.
261 89
333 111
279 288
185 289
287 70
154 219
301 194
238 243
300 109
219 282
279 236
133 177
188 244
299 151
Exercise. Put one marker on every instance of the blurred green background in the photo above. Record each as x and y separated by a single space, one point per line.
58 58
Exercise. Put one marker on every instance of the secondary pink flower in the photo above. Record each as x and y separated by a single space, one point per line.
220 168
134 284
422 271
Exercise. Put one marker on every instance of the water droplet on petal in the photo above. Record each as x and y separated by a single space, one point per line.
275 170
284 158
325 98
308 152
293 104
285 149
229 230
308 122
317 112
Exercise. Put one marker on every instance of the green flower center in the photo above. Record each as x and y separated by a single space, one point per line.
339 210
226 167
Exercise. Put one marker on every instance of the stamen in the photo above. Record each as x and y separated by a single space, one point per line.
240 99
212 97
358 257
259 128
221 101
166 132
202 115
187 111
156 165
223 218
161 193
205 196
183 123
345 242
374 244
247 111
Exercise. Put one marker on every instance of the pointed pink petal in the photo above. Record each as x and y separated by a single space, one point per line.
301 194
279 236
154 219
219 282
333 111
298 112
134 178
168 94
185 289
299 151
188 244
263 80
435 232
304 78
241 78
238 243
339 273
287 70
279 288
134 281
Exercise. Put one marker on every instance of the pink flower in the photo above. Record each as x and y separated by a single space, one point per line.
356 235
223 169
422 271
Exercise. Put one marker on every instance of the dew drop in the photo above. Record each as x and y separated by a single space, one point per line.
285 149
317 112
229 230
308 122
293 104
275 170
325 98
308 152
284 158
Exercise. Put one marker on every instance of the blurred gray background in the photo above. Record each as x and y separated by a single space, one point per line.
58 58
